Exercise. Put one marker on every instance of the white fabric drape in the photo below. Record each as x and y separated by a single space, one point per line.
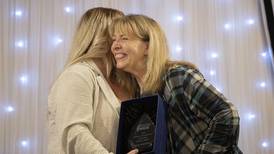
224 38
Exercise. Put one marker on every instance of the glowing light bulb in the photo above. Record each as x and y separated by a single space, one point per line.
227 26
24 143
179 18
250 116
214 55
18 13
19 44
262 84
24 79
58 40
9 109
212 72
68 9
264 144
263 54
250 21
178 48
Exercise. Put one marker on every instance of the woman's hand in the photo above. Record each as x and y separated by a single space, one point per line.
135 151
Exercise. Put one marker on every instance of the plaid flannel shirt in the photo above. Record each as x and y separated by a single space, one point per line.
200 119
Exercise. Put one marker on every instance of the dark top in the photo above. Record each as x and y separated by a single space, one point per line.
200 119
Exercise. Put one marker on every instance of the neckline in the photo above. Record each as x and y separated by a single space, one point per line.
108 87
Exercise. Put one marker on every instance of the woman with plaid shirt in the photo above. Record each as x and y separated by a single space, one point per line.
200 119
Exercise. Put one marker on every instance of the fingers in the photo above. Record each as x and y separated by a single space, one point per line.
135 151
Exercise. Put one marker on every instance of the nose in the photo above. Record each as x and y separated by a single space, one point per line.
116 45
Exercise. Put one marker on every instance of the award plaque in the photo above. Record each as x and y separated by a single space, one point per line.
142 126
142 134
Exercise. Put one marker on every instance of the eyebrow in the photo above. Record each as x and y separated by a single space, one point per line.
121 35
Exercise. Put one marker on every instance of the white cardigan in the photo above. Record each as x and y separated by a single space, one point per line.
83 112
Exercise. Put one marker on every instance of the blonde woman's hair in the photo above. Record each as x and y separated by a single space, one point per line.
91 39
148 30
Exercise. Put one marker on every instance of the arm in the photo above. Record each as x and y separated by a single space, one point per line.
74 115
207 103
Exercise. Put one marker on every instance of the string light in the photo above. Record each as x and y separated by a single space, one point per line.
212 72
214 55
227 26
18 13
24 79
263 54
179 18
9 109
250 21
262 84
250 116
24 143
58 40
19 44
68 9
178 48
264 144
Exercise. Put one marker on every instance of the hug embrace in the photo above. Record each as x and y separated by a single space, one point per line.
116 57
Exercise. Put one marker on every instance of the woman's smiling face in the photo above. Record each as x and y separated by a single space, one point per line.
129 52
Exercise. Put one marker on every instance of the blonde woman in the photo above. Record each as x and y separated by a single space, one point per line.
200 119
84 101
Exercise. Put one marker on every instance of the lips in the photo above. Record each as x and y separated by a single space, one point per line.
119 56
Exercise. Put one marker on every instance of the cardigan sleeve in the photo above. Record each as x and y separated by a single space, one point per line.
189 86
73 96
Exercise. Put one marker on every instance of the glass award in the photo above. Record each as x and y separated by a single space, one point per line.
141 135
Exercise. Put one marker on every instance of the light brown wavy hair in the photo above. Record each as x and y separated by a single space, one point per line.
91 38
158 62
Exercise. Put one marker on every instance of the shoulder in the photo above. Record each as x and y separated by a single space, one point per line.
183 71
79 73
82 68
85 70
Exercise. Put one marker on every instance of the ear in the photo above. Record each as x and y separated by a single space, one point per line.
146 48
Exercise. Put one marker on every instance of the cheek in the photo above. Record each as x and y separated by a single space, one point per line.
112 49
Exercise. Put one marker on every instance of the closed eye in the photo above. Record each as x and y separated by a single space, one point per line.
113 39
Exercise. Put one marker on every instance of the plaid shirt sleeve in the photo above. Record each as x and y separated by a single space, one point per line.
187 86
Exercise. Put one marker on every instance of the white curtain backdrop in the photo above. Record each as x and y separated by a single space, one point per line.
224 38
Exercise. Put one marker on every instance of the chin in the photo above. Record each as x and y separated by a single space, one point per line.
120 64
121 67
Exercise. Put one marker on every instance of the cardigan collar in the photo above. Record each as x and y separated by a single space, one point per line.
105 87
